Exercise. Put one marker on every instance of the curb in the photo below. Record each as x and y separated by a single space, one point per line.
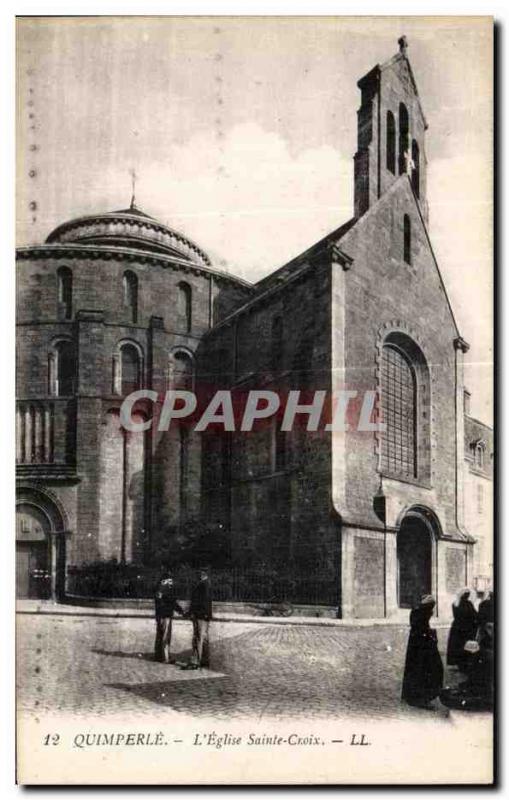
296 621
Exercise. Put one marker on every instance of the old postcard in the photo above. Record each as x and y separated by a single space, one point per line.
254 443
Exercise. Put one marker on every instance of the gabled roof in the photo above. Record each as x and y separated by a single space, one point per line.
371 210
379 68
294 268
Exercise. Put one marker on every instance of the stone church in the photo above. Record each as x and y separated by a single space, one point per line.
117 301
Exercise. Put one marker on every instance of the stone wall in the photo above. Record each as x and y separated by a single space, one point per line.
276 513
382 293
83 437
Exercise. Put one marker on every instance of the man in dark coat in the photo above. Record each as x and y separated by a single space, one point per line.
463 629
200 612
424 671
165 605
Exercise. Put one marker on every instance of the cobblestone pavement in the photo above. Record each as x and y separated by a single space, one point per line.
94 665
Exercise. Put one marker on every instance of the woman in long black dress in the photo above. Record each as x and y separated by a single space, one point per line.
476 693
424 671
463 629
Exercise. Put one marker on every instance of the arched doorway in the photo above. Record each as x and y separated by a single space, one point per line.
40 547
415 540
33 556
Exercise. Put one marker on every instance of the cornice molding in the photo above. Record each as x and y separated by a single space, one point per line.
128 254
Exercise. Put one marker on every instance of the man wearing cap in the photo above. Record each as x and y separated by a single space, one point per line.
200 612
165 605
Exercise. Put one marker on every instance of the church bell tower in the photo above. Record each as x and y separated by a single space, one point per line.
390 133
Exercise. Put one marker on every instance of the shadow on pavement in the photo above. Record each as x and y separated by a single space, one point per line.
212 694
183 655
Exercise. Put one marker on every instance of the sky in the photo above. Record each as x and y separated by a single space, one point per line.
242 133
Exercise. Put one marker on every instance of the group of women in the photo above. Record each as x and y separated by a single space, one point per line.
469 650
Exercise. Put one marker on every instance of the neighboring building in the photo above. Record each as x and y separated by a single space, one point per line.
479 495
117 301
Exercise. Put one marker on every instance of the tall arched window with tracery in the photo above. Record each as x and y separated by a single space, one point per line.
64 283
398 392
130 289
185 307
405 407
391 143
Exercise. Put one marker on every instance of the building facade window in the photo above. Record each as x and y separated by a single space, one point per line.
416 171
407 239
130 289
479 455
403 138
185 307
399 413
64 281
62 369
391 143
130 369
127 368
405 401
181 370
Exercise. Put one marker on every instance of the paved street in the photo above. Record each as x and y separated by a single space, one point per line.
104 665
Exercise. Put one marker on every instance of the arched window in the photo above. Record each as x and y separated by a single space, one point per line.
405 404
407 239
479 455
64 280
391 143
181 370
403 137
184 306
277 342
415 168
62 369
130 288
129 368
399 413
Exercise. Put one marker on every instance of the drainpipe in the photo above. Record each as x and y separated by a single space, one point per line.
461 347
